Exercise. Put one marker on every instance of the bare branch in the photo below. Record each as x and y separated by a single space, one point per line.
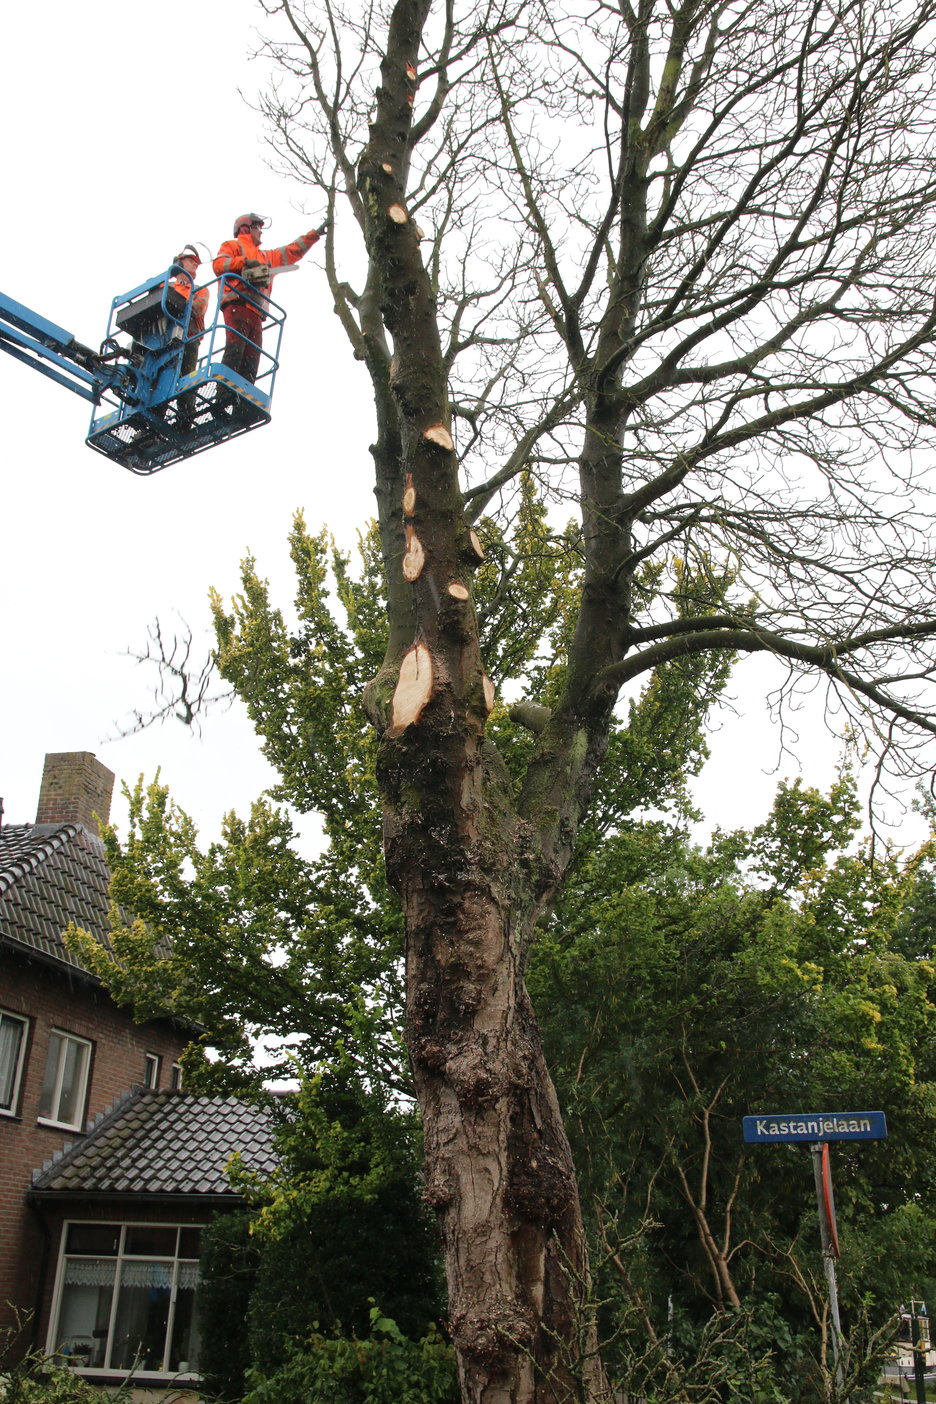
186 689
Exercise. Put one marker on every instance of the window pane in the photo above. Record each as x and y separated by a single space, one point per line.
149 1241
142 1316
87 1292
183 1353
76 1056
121 1286
11 1041
51 1073
189 1242
102 1239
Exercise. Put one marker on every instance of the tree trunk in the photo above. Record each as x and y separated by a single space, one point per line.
498 1164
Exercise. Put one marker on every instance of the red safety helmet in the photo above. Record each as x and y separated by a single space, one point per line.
249 219
188 252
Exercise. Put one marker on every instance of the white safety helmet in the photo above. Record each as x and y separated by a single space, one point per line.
243 219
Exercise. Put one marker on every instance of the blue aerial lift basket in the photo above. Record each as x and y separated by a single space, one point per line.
147 412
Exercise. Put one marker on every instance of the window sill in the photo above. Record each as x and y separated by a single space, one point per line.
95 1375
59 1125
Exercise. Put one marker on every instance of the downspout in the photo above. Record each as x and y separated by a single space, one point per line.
43 1270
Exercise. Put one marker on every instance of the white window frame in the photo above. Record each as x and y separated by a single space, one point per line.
10 1017
119 1258
152 1066
65 1038
175 1077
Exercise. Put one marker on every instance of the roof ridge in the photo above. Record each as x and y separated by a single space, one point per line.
28 862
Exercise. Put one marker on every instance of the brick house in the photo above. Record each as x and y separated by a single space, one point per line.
125 1206
107 1169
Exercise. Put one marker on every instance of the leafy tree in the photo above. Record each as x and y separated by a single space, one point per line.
338 1225
665 977
763 974
676 261
230 1258
251 941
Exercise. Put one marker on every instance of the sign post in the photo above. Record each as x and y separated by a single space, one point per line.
828 1235
919 1337
817 1129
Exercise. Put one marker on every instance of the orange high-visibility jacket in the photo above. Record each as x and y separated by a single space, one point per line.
234 253
199 306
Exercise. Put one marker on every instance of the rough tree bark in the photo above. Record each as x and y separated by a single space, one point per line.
759 259
499 1169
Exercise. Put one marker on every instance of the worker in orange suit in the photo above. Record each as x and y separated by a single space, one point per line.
190 262
243 256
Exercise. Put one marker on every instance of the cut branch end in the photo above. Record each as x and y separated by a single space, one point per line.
413 689
439 435
414 558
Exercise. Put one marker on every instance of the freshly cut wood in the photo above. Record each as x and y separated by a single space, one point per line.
438 434
476 546
398 214
411 73
413 689
409 497
489 694
458 591
415 557
387 167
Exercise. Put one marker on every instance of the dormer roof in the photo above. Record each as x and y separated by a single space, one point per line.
162 1143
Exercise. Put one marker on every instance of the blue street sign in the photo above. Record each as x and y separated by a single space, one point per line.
816 1126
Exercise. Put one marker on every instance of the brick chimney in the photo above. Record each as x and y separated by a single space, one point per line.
74 788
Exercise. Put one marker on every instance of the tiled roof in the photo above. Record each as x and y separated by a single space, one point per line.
162 1143
51 874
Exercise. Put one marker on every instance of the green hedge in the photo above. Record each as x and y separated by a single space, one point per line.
385 1368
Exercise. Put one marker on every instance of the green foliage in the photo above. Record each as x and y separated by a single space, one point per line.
681 989
383 1368
338 1223
302 687
230 1260
341 1217
728 1358
526 591
678 989
33 1378
252 941
44 1382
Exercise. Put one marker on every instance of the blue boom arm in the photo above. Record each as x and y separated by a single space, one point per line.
55 352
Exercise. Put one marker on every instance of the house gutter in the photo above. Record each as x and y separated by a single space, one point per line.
37 1197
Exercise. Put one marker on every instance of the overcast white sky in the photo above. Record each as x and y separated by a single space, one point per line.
125 136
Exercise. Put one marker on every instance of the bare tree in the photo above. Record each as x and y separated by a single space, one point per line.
677 261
